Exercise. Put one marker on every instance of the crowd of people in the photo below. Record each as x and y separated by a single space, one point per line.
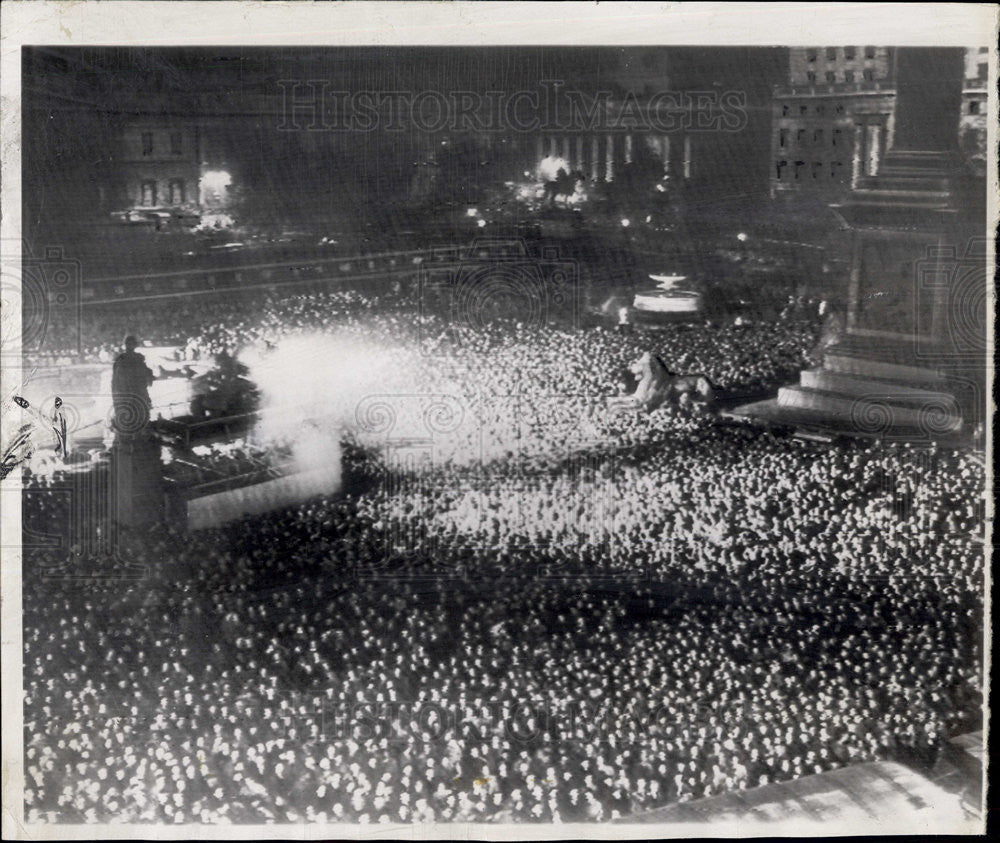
561 614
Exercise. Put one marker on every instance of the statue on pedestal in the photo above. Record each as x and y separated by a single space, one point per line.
130 382
137 470
655 384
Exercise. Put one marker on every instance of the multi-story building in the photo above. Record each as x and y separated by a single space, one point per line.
833 121
972 126
161 165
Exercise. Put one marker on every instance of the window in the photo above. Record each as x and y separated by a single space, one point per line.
175 143
800 135
869 52
836 168
840 109
780 168
811 76
817 168
147 143
784 111
821 110
803 109
177 191
818 136
782 137
831 77
835 137
811 55
798 166
848 75
974 107
869 75
148 197
831 53
849 53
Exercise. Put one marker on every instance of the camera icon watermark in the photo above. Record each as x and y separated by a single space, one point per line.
952 296
70 533
69 503
42 293
497 280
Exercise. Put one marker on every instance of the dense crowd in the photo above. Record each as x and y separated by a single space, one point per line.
562 613
752 353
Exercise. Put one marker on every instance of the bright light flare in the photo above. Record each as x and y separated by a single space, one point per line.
311 386
214 184
319 375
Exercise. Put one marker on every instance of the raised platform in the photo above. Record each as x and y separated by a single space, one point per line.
210 505
667 301
877 387
819 423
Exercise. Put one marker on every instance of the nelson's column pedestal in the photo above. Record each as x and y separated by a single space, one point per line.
137 481
136 469
911 362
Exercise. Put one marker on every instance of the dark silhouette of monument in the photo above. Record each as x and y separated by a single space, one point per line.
911 360
136 467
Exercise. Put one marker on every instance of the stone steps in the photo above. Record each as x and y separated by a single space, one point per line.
875 413
828 380
907 181
901 195
917 159
846 363
891 349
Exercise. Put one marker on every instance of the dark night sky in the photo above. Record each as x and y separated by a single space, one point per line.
111 77
77 99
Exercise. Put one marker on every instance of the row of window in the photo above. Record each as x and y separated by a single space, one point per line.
974 107
868 74
820 110
850 53
176 143
176 190
798 170
816 137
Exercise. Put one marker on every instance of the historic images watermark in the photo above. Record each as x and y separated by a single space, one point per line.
314 105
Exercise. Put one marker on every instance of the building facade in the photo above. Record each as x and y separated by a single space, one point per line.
972 125
161 165
834 119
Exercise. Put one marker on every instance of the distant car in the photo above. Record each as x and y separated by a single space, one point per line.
134 217
158 219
